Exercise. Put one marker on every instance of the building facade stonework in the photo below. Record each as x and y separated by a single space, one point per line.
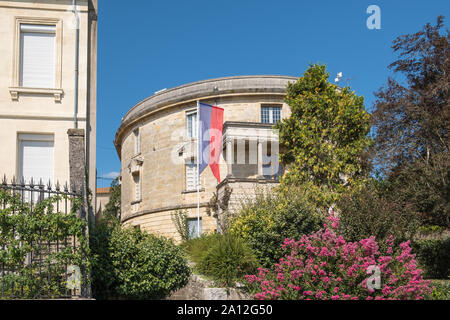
157 148
38 88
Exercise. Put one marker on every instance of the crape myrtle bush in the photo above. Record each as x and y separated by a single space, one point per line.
323 265
131 264
266 221
24 232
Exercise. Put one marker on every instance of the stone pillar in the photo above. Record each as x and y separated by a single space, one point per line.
230 157
77 160
260 159
77 163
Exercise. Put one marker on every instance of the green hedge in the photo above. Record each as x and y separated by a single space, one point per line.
131 264
433 256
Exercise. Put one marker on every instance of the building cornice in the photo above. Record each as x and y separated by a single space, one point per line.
169 208
206 89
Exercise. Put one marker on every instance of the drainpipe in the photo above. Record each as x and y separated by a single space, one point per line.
77 42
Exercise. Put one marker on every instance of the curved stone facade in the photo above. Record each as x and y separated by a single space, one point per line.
153 145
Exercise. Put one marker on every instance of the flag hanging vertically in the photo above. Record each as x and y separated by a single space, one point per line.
211 125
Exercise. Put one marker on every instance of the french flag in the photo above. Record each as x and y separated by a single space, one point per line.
211 125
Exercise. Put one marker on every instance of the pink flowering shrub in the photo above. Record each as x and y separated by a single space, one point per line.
323 266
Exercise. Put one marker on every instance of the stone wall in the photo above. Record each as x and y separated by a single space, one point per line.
242 191
199 288
165 148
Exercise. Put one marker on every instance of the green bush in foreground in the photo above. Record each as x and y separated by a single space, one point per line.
147 266
225 258
132 264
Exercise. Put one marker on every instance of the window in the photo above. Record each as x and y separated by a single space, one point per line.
270 114
137 187
193 224
36 157
191 176
191 121
37 56
137 142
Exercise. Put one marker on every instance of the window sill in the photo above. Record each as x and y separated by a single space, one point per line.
15 91
192 191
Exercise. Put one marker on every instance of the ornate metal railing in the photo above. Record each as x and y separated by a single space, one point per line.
43 243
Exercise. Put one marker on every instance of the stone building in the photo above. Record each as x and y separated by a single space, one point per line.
156 143
102 199
48 86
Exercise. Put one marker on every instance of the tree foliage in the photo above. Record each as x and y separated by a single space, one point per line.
372 210
112 208
323 141
412 119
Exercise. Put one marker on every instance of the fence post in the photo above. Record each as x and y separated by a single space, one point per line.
77 163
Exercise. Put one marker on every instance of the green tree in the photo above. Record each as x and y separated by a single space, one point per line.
323 142
112 208
412 121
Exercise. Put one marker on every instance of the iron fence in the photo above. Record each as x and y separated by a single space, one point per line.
43 242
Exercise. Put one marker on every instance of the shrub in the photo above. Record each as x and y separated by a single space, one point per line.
180 220
441 291
197 247
370 211
146 266
32 266
266 221
227 259
323 265
104 282
132 264
433 256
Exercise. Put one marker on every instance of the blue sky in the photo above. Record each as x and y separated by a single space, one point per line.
147 45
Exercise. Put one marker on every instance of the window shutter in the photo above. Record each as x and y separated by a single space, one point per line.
37 61
137 187
36 159
191 176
